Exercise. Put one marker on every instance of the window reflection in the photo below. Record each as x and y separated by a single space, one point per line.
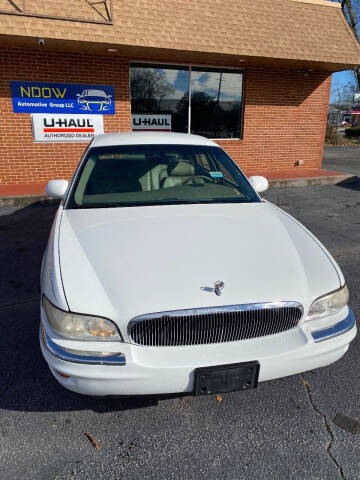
161 90
216 97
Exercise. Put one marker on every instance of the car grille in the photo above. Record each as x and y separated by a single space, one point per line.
214 325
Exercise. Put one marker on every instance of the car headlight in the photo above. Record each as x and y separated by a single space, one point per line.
329 304
80 327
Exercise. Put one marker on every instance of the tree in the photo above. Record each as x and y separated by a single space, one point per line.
342 97
203 113
351 9
148 88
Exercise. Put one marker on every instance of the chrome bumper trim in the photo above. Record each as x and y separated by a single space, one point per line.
337 329
58 352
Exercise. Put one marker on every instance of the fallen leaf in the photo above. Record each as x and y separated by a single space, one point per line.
350 424
92 440
306 384
219 398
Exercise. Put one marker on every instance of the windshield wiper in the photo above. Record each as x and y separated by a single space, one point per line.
135 204
231 200
173 201
168 201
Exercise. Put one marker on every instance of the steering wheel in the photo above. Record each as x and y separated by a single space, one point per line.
195 177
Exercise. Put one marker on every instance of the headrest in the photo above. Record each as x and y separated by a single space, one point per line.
181 169
171 158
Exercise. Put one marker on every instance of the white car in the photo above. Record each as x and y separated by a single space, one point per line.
166 272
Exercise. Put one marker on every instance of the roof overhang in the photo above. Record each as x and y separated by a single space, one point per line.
165 55
304 34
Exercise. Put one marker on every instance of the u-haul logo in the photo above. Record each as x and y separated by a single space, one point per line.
151 122
70 124
66 128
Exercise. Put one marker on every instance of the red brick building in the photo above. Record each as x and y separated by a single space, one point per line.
253 75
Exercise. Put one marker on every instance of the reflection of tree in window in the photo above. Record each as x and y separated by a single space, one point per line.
154 91
216 97
203 109
216 103
148 88
182 106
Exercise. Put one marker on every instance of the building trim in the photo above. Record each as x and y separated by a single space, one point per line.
23 12
324 3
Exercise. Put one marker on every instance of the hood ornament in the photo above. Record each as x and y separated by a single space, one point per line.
218 286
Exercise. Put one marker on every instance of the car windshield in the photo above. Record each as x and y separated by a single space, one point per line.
137 175
95 93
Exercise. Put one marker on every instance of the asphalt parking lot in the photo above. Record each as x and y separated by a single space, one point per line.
342 159
282 430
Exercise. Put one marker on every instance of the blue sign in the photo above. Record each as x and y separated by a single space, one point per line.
40 97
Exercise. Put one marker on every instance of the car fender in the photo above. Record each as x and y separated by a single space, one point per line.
51 280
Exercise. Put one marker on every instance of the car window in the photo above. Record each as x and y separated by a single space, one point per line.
137 175
95 93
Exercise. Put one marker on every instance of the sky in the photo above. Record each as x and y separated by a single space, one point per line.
340 78
231 84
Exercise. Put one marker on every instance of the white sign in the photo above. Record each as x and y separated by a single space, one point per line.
66 128
146 122
356 97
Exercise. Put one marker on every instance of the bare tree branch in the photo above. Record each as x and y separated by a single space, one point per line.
351 9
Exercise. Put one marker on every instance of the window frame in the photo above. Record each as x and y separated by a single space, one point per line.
189 67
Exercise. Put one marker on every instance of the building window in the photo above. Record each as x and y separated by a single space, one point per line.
204 101
161 90
216 102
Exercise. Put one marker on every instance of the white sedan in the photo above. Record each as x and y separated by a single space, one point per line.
166 272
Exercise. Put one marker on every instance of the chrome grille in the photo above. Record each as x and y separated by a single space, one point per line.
214 325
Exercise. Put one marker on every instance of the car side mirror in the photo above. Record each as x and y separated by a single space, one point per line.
259 184
56 188
78 94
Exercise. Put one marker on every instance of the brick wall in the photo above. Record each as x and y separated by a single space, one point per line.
285 117
284 120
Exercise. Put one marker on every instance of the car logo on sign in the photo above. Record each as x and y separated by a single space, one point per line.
94 100
218 286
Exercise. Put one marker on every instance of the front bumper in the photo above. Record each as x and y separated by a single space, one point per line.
57 351
161 370
338 329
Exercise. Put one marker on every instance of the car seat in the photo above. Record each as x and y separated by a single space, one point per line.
177 174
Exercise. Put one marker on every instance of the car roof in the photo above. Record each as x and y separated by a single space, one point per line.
150 138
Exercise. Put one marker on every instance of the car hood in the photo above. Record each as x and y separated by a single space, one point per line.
123 262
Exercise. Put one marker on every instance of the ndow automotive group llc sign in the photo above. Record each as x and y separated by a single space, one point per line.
40 97
66 128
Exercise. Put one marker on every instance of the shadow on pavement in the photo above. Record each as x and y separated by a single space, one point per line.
350 185
26 383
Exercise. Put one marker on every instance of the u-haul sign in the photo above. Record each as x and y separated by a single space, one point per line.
66 128
150 122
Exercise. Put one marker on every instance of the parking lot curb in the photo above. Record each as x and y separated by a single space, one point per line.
26 200
312 181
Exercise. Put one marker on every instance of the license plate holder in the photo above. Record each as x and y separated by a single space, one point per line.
226 378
